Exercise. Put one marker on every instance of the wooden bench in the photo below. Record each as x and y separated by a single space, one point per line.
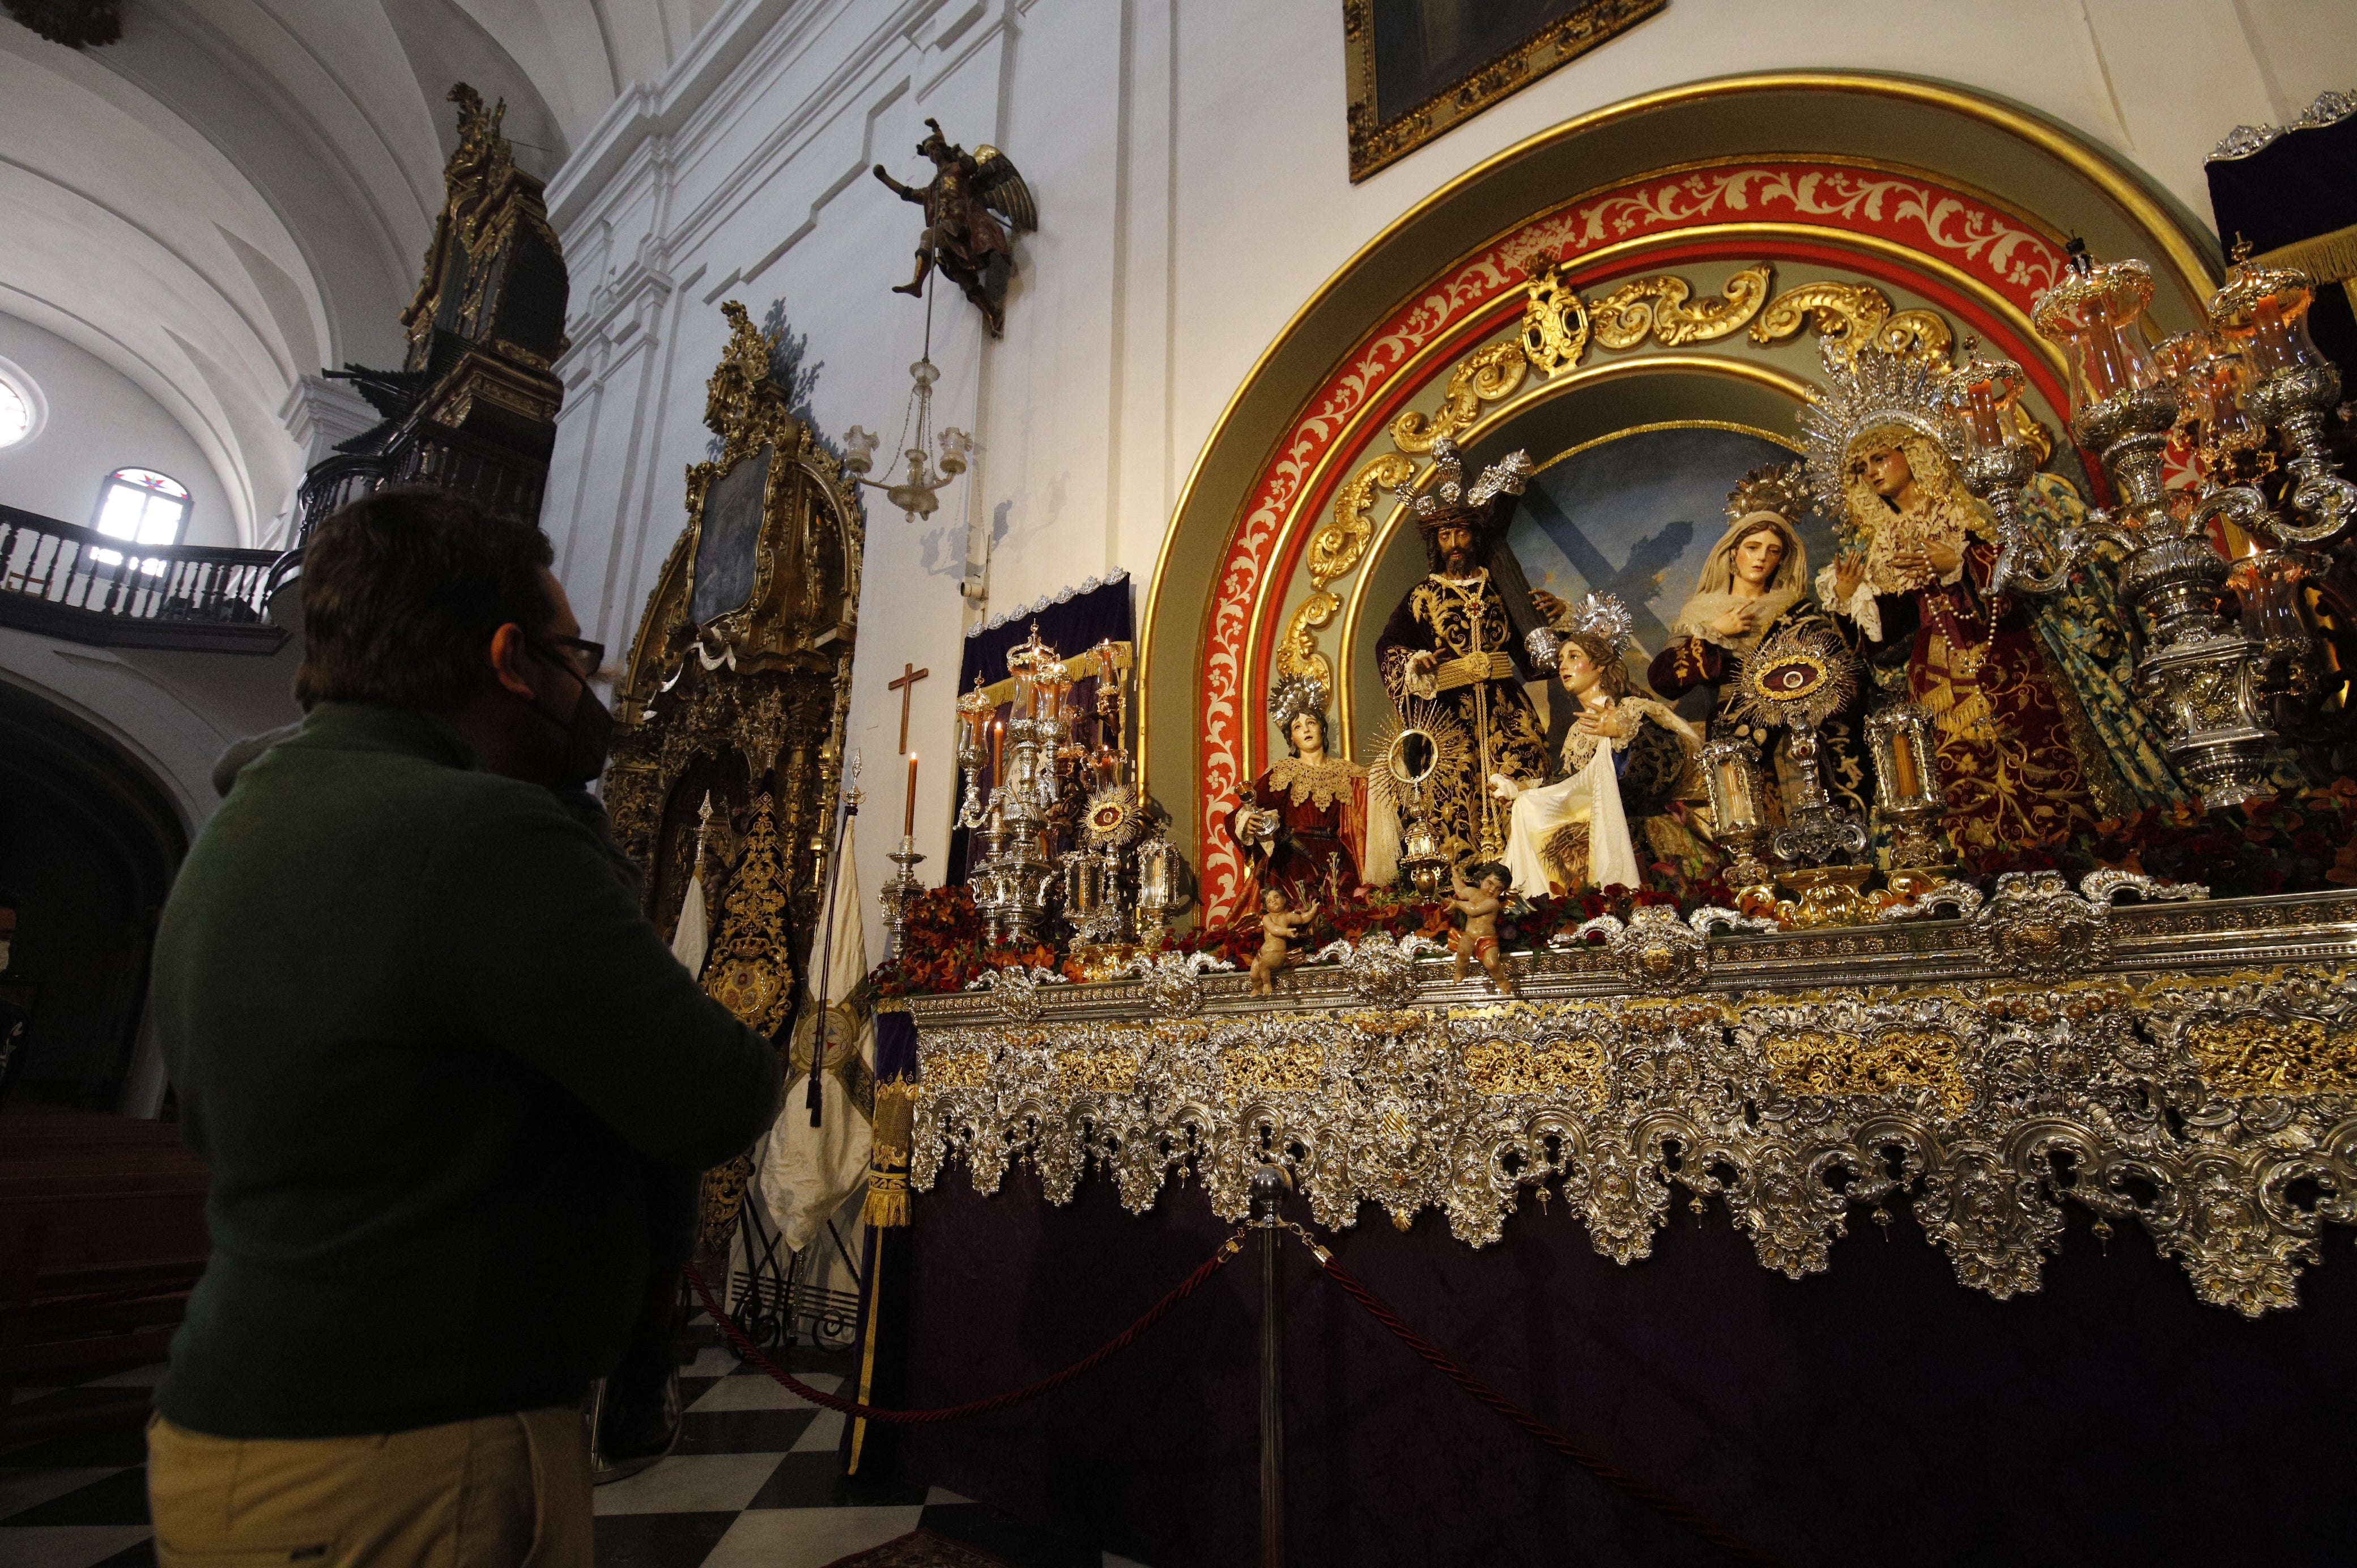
91 1204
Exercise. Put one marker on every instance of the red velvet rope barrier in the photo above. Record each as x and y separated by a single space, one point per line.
1603 1470
1154 1315
1609 1474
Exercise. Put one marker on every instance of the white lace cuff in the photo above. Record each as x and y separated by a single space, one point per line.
1860 607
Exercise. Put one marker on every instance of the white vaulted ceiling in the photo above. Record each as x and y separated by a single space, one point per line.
240 192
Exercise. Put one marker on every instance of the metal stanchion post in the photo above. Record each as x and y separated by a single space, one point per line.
1268 1189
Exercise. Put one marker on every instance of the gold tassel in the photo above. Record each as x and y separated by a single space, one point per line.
887 1191
887 1162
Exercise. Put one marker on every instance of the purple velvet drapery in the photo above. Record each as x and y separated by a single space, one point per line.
1879 1412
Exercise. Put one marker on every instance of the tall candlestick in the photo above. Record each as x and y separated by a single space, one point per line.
909 819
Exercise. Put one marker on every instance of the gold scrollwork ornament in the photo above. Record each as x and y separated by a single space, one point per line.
1486 375
1297 653
1658 307
1556 327
1335 549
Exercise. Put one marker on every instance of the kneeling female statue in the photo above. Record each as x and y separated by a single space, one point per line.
1625 761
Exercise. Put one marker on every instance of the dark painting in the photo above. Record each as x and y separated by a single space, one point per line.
1418 67
732 524
1423 46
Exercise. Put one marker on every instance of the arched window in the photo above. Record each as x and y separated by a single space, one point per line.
16 411
143 507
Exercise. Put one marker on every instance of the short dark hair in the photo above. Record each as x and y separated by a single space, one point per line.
1486 869
402 591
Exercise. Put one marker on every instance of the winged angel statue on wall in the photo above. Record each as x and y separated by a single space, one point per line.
972 199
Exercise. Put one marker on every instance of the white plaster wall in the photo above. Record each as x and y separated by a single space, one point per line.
98 421
1189 161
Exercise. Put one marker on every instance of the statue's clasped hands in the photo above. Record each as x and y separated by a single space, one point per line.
1927 565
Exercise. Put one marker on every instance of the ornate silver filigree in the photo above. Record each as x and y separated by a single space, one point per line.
1382 971
1017 989
1658 951
1173 984
2242 141
2203 1086
1962 898
2331 107
2038 928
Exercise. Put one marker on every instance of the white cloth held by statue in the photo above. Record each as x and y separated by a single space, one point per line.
1592 796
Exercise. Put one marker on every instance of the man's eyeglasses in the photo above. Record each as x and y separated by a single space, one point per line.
585 657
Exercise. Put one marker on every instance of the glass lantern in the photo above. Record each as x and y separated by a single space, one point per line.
2096 314
2263 311
1985 395
2232 444
2120 404
1738 809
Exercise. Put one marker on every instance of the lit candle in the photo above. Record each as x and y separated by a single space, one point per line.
1903 762
1730 789
998 750
909 819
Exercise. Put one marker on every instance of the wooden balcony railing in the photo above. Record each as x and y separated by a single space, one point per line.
77 583
424 454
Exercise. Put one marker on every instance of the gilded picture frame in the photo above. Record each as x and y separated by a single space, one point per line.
1417 68
771 517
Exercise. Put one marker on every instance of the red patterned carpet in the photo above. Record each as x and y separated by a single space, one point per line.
920 1549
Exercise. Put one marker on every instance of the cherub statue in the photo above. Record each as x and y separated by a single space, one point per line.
1281 926
1480 902
962 236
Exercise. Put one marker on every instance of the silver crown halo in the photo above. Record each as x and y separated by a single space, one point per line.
1599 615
1872 391
1449 492
1290 696
1780 487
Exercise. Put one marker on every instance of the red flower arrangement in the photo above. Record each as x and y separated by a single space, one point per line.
2293 844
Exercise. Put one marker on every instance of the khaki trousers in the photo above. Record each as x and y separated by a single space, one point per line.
504 1491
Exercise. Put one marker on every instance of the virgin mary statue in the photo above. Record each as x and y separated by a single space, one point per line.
2020 759
1755 582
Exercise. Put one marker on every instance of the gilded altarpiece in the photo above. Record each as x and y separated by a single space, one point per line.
734 694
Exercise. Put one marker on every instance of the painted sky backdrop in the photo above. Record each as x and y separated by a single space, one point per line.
1636 517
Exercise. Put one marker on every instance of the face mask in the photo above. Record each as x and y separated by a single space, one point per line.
587 733
3 957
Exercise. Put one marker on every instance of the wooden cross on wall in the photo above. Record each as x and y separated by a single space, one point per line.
907 686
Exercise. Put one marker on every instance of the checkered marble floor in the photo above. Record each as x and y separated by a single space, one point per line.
753 1484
